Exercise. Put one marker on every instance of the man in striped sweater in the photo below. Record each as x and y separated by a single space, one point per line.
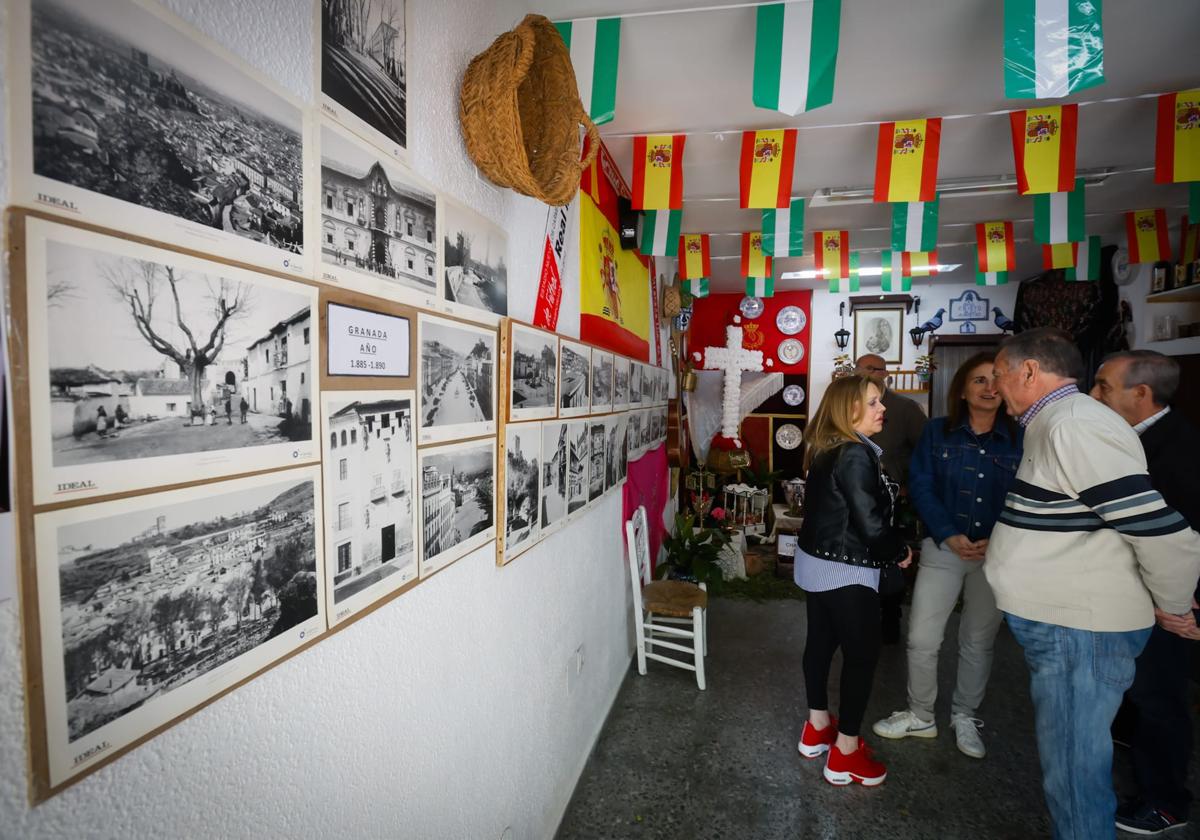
1083 552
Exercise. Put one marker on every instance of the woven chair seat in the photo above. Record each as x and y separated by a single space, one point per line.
674 598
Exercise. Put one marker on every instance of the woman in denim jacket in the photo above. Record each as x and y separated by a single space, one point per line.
960 473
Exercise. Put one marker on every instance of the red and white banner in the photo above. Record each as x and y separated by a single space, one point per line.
549 298
655 331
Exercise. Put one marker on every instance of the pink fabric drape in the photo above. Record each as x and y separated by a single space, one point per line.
648 484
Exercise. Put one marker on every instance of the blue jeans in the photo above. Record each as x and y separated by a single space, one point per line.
1077 679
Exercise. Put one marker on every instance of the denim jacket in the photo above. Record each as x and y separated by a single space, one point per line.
958 480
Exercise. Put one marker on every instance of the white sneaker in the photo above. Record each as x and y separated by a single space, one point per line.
904 724
966 734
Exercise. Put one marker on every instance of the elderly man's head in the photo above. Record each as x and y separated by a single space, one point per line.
873 367
1033 363
1137 383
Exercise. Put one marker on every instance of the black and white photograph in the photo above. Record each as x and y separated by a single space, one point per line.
363 69
556 457
635 383
522 446
370 489
648 377
620 383
597 439
153 604
458 490
533 390
133 116
457 387
574 390
633 440
191 368
378 224
612 447
622 447
602 384
879 332
579 461
475 262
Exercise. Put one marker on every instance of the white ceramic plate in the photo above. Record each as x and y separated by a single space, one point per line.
790 351
751 307
791 320
793 395
789 436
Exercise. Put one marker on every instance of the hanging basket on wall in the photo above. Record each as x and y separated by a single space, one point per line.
520 113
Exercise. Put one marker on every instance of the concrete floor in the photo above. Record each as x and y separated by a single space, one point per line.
675 762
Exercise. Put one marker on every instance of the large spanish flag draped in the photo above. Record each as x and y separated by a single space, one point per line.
755 263
1149 240
1059 255
1177 150
694 261
767 163
1044 148
831 253
994 242
906 160
658 171
614 282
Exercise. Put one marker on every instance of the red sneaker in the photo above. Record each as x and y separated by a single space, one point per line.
816 742
859 766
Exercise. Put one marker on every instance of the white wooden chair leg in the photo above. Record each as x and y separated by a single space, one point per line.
641 645
698 644
704 635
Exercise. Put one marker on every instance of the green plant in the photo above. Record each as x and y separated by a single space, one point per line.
692 552
760 475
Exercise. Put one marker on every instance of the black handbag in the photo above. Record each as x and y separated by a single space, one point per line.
891 580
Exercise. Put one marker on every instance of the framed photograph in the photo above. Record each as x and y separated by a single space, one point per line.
597 438
153 604
362 69
1158 277
366 343
622 421
370 454
635 383
121 111
556 456
620 383
648 379
378 223
879 331
457 382
191 368
574 393
602 381
522 485
578 463
612 475
458 491
474 264
634 438
533 373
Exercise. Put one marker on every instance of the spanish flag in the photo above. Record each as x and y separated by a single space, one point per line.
1087 262
918 263
658 172
1148 237
1059 255
906 160
854 280
1177 150
767 163
994 243
1044 148
754 262
831 253
694 262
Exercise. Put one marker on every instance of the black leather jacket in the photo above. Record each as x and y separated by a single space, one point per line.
848 509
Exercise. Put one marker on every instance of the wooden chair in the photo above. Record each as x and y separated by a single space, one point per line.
675 609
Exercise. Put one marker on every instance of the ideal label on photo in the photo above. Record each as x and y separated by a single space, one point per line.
364 343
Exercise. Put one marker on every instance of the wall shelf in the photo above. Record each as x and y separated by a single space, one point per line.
1175 346
1187 293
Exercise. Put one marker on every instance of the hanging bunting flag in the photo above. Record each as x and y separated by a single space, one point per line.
1059 216
767 164
988 278
594 44
754 262
852 282
760 287
914 225
1052 48
994 243
795 55
694 261
660 232
696 288
1148 236
918 263
1194 201
1189 241
783 230
1087 262
831 253
658 172
906 160
1059 255
1044 148
1177 147
892 277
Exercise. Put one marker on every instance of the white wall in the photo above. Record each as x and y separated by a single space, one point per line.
446 714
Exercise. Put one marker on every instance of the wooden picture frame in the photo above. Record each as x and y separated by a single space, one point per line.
530 364
879 331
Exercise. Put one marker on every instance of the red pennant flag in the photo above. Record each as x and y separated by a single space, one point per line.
831 253
994 241
1177 143
1044 148
1149 240
906 160
658 172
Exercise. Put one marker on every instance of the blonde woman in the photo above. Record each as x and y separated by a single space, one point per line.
846 540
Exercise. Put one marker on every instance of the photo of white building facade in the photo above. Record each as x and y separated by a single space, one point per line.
277 368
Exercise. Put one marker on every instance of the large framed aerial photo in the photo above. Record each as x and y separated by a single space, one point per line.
522 448
457 382
119 110
370 454
151 605
458 489
362 69
574 379
148 367
556 455
533 373
474 264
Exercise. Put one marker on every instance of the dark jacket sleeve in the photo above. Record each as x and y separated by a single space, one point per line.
858 478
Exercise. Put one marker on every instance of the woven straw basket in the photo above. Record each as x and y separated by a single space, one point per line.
520 113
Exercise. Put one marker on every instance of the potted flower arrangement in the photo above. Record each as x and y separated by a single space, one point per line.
924 367
692 551
843 365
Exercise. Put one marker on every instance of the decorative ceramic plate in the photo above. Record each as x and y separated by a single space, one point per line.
790 351
788 436
791 320
751 307
793 395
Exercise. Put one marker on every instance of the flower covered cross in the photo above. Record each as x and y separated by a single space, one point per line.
732 359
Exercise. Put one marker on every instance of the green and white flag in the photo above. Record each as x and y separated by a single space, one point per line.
760 287
852 284
660 232
1087 262
1059 217
795 55
594 44
891 278
783 230
1052 48
914 225
696 288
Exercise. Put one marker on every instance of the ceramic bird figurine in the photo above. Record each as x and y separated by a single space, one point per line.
933 323
1003 321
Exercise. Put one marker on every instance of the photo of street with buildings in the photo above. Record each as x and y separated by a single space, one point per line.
597 438
612 447
475 257
620 383
522 445
635 383
602 374
556 458
574 388
534 392
363 64
633 441
578 460
458 393
622 447
458 486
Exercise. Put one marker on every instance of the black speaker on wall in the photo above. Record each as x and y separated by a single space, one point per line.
627 223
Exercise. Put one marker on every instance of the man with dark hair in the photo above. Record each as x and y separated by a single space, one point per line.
1083 552
1139 385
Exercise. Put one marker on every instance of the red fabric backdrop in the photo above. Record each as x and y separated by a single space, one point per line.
648 484
715 312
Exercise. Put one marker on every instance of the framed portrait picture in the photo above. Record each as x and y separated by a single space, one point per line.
879 331
574 379
458 489
457 382
532 373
